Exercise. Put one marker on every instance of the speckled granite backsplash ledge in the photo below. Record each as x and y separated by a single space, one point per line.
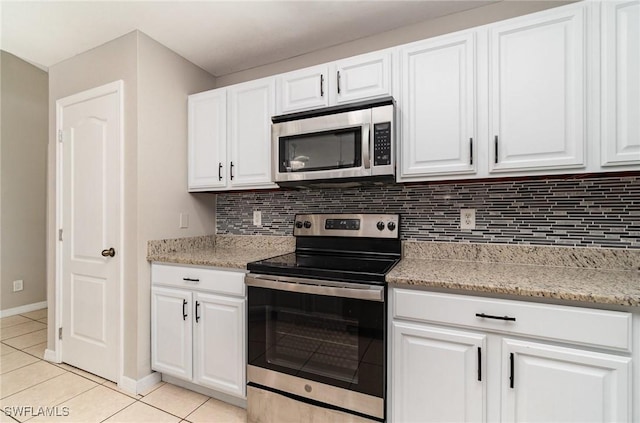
593 212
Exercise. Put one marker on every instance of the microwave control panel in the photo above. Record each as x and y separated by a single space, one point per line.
382 144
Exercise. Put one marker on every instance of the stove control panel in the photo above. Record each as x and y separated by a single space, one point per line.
347 225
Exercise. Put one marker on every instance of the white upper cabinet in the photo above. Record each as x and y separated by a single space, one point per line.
438 107
344 81
230 137
620 83
361 77
251 106
207 143
537 73
303 89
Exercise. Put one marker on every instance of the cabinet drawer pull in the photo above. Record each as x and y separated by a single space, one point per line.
470 151
338 78
191 280
511 367
321 85
231 170
495 143
219 171
489 316
184 309
197 315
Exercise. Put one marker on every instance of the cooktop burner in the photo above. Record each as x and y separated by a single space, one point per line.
324 266
339 247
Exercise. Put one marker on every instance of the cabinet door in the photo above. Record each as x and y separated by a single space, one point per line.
207 140
537 83
620 83
438 107
437 374
303 89
362 77
171 332
220 358
555 384
251 106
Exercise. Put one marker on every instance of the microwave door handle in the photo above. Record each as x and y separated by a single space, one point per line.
366 145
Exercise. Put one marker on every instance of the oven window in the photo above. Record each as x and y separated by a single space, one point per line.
332 340
321 151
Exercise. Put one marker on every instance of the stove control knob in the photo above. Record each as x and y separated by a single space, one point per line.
380 226
307 224
298 224
391 226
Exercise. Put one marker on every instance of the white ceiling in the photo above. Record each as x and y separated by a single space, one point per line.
222 37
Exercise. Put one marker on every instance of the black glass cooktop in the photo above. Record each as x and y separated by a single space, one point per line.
339 267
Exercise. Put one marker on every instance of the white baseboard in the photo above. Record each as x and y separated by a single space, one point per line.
141 385
23 309
50 355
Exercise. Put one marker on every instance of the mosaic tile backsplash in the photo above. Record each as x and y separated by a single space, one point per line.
592 212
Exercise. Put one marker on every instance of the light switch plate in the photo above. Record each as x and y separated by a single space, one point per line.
184 220
257 218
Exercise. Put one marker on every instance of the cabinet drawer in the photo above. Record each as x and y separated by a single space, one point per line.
199 278
577 325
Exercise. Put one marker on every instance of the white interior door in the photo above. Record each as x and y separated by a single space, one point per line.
90 142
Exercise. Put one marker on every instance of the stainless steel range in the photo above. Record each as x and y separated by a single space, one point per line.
317 317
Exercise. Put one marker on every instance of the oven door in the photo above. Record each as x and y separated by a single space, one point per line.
322 147
324 342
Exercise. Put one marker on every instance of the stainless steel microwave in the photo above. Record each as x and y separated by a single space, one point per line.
345 143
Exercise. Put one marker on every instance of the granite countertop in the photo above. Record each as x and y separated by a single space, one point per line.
221 251
599 276
604 286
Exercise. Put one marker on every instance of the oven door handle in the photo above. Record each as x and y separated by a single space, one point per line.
318 287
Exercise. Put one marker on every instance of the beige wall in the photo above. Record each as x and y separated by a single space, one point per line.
23 167
156 85
165 79
431 28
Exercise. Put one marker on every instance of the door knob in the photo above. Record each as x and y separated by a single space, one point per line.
109 253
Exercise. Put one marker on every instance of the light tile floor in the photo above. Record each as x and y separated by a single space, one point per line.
31 387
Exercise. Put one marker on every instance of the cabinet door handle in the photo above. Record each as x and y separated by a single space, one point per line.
184 309
321 85
511 373
479 364
191 280
219 171
470 151
338 78
197 315
489 316
495 143
231 170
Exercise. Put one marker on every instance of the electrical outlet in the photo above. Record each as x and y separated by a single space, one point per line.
18 285
257 218
467 218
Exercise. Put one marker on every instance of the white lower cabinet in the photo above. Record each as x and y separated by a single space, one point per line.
172 337
556 384
437 374
458 358
198 326
218 346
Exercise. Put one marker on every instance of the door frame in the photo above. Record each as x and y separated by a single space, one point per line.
116 87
